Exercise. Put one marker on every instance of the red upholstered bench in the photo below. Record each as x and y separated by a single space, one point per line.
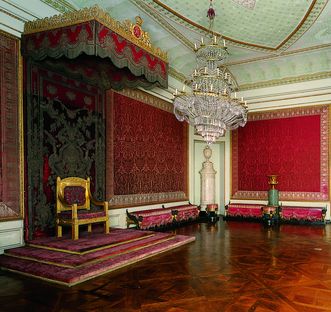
150 218
161 217
185 213
303 214
243 211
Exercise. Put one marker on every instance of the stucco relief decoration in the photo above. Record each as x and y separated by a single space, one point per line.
248 4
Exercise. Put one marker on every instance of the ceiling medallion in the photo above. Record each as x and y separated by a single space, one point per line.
248 4
209 105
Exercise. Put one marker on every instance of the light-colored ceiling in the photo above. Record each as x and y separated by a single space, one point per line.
270 42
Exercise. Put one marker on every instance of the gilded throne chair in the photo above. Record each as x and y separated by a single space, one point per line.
73 206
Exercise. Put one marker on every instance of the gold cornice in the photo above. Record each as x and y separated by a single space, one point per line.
2 32
290 98
13 15
124 28
147 98
283 81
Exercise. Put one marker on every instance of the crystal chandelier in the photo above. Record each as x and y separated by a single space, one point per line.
212 106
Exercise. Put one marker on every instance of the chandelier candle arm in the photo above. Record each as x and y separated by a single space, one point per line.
209 107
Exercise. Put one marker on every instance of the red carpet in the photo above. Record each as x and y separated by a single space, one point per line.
68 262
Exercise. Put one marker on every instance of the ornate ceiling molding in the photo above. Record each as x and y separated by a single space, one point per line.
283 81
177 75
311 15
275 56
288 98
159 19
60 5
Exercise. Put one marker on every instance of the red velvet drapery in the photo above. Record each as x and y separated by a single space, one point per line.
94 39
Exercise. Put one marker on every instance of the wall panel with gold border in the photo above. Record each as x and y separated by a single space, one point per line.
11 129
292 143
146 150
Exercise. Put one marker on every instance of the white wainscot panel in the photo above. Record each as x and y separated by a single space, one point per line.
11 234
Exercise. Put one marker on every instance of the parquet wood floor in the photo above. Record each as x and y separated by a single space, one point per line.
232 266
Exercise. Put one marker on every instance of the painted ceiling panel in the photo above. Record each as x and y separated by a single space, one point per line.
268 23
276 17
319 33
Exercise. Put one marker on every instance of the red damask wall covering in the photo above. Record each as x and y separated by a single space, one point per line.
9 128
149 148
291 143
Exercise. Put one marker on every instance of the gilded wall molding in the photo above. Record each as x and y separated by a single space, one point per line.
11 122
4 33
291 98
21 127
322 195
131 200
285 81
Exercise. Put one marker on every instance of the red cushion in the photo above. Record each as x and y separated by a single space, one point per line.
83 214
74 195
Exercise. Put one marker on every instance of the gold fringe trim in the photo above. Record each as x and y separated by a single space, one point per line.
124 29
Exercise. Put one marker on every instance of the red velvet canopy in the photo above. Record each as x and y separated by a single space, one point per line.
129 59
70 61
